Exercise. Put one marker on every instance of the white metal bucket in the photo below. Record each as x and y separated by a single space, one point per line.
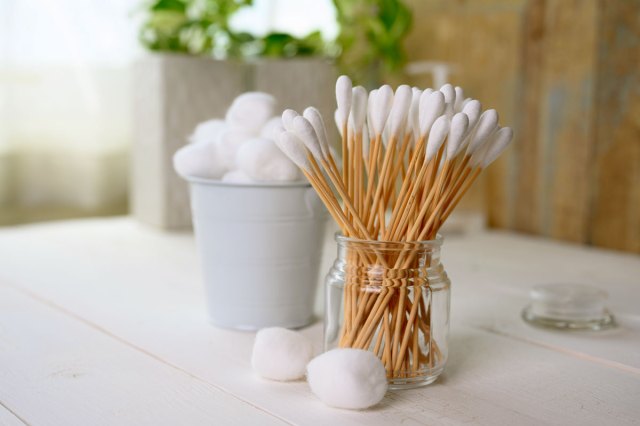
260 248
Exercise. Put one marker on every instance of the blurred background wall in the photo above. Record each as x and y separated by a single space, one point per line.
564 73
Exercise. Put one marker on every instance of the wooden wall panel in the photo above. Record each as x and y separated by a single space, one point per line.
482 41
566 108
615 221
566 75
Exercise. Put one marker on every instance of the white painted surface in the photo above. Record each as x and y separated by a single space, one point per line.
9 419
112 296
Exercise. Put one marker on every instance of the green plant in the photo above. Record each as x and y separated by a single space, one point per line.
371 35
369 42
201 27
189 26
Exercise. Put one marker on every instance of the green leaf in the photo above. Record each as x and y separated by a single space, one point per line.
163 5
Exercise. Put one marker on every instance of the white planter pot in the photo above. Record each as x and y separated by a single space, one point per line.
260 248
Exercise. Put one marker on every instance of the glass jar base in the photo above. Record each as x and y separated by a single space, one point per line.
401 383
604 323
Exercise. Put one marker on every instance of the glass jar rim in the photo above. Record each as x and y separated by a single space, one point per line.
340 238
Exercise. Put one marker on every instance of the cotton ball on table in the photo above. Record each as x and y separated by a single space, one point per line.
208 131
348 378
281 354
199 159
250 111
236 176
261 159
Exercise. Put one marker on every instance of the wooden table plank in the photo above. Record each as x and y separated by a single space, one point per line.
7 418
144 288
490 291
59 371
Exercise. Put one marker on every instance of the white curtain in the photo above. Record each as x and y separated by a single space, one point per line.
64 107
65 98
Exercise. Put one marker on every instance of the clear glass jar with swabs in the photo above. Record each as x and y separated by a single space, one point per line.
391 298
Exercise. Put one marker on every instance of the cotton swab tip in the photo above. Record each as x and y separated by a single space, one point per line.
437 135
359 107
315 118
459 125
294 148
414 112
502 139
449 96
400 108
487 124
305 131
431 107
381 108
287 118
472 108
343 98
458 105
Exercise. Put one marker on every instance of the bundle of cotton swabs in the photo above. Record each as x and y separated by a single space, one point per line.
408 158
413 153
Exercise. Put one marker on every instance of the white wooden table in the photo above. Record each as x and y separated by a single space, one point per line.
103 322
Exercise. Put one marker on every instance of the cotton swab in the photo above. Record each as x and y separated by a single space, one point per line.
437 136
306 133
431 106
359 115
482 160
380 109
397 116
343 99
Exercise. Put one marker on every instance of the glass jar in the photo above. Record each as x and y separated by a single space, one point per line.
391 298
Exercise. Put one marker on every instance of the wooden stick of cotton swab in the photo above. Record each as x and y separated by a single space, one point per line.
483 158
457 131
305 131
411 134
431 106
396 118
380 107
459 125
292 147
358 116
315 118
479 162
437 136
487 124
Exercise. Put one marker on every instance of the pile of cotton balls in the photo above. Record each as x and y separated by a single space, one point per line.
343 378
241 148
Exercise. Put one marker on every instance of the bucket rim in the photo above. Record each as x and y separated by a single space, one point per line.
266 184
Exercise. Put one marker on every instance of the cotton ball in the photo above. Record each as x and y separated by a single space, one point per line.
250 111
261 159
281 354
207 131
198 159
272 129
228 143
348 378
236 176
